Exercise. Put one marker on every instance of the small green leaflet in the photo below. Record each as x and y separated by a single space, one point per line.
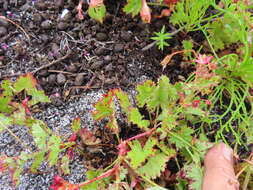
6 85
4 122
76 125
19 116
38 159
4 104
39 136
123 100
155 165
163 94
25 82
96 184
97 13
54 147
144 92
133 7
136 118
195 173
104 108
37 96
181 137
138 155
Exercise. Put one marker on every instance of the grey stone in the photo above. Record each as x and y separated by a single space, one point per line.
101 36
3 31
61 79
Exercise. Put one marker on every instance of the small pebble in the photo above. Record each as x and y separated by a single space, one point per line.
107 59
47 24
109 67
51 79
79 80
4 23
96 64
61 79
40 5
127 36
71 68
62 25
101 36
3 31
118 48
59 3
100 51
37 18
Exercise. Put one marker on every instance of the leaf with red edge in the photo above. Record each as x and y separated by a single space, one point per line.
97 10
104 108
25 82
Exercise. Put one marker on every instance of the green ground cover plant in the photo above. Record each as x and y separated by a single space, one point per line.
173 122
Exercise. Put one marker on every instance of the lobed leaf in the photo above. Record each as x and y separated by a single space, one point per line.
133 7
154 166
97 13
39 136
138 155
39 157
4 122
26 82
54 143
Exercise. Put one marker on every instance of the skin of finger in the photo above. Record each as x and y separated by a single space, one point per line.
219 173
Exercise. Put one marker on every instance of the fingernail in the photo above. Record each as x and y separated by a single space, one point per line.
227 152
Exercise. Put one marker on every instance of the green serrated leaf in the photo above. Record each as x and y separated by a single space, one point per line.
39 136
54 147
195 173
144 92
38 96
76 125
38 159
98 13
154 166
123 100
99 184
163 94
26 82
136 118
7 88
104 108
181 137
133 7
19 116
4 122
138 155
4 104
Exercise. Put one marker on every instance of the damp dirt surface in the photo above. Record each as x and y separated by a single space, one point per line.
75 62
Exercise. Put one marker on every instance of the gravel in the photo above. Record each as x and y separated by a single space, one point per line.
59 119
